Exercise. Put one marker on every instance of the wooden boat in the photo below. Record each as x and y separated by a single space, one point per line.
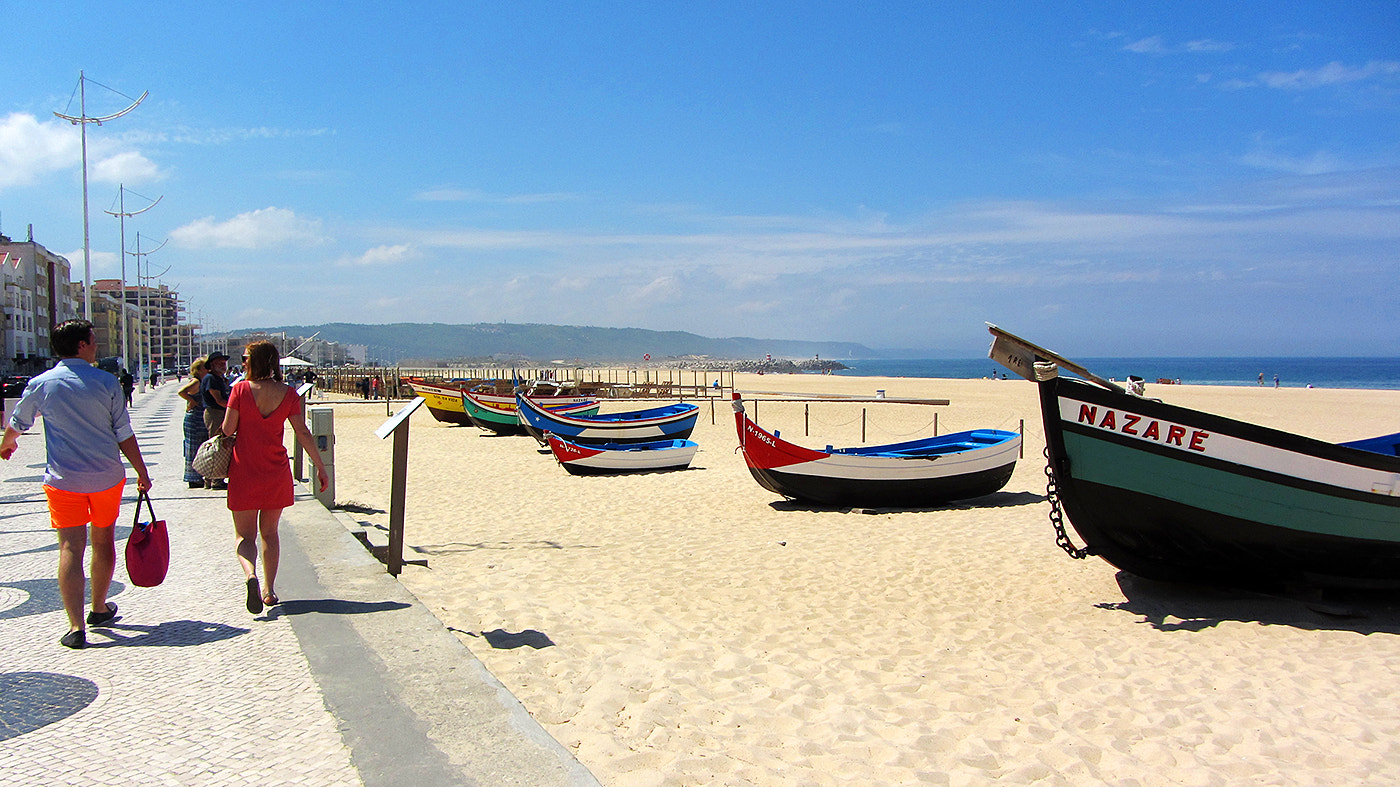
913 474
443 398
672 422
1167 492
496 412
618 458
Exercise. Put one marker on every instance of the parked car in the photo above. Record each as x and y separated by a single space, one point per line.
13 387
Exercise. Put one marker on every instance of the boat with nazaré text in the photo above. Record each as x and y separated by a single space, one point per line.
913 474
671 422
1171 493
621 458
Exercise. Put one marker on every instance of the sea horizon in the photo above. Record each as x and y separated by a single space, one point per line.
1370 373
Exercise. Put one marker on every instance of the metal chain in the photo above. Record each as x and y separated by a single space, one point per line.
1052 493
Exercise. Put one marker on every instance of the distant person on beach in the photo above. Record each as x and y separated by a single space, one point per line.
1261 378
260 476
364 387
1275 381
195 430
87 431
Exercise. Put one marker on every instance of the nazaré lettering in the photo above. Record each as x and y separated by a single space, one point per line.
1110 419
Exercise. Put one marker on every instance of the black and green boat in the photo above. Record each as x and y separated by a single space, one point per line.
1167 492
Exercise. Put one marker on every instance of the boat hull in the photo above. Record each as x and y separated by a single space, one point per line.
622 458
673 422
914 474
1170 493
444 402
497 413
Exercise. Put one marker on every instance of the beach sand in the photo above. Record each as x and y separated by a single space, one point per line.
690 628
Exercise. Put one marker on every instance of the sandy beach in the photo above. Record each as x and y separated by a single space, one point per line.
691 628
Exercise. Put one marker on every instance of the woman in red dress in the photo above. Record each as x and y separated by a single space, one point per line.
260 477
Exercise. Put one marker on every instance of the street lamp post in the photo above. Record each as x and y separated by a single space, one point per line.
83 120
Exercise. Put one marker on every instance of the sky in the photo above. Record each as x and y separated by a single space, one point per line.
1106 179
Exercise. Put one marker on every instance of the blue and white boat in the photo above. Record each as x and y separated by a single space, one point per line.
672 422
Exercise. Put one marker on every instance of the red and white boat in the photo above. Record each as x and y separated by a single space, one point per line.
914 474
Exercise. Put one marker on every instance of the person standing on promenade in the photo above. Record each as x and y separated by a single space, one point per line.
128 385
195 430
87 430
213 389
260 475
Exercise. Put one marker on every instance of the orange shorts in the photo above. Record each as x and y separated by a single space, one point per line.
75 509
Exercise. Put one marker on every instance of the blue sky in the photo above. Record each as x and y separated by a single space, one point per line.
1108 179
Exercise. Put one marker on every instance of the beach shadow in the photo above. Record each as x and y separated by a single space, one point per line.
460 546
994 500
170 634
1168 606
331 606
357 508
500 639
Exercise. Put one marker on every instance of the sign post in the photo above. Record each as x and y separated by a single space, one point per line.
398 484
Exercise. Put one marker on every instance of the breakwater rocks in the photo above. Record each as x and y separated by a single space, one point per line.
767 366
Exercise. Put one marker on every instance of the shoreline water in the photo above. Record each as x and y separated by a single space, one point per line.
1317 372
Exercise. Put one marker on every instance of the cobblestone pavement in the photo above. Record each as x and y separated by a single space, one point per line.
349 681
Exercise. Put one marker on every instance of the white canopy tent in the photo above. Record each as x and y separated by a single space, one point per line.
294 361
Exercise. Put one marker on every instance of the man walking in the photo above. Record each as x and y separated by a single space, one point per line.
87 430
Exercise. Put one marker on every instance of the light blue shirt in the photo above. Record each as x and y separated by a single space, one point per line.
84 412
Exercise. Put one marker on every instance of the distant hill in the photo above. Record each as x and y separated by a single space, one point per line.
437 341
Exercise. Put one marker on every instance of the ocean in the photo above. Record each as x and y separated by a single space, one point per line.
1369 373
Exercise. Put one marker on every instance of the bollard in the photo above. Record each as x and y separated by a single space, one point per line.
321 421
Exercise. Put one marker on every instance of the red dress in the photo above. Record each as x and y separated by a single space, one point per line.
260 475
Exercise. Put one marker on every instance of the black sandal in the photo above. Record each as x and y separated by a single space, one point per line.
255 602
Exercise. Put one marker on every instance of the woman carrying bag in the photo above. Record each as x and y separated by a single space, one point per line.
195 430
260 475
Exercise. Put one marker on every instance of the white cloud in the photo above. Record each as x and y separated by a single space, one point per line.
1208 45
30 149
1318 163
1147 46
128 167
448 194
259 229
105 264
1333 73
385 255
1154 45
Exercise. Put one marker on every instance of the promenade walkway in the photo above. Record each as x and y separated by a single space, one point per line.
349 681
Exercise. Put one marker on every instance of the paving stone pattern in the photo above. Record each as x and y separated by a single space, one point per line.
185 687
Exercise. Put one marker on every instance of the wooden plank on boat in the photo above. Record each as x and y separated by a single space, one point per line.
1020 356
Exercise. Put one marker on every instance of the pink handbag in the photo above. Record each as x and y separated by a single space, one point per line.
147 548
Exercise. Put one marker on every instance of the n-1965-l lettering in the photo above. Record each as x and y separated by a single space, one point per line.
1143 428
